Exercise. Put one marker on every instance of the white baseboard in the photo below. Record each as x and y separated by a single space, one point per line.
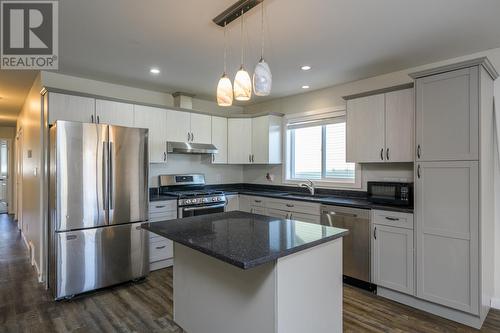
495 303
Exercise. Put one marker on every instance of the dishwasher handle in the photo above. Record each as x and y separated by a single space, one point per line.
329 213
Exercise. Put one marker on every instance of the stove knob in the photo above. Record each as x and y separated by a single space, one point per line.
214 199
188 201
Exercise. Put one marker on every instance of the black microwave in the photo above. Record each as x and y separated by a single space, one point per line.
391 193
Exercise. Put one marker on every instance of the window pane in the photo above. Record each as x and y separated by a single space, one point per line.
307 153
336 166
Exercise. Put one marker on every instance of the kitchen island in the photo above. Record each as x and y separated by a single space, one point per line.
242 272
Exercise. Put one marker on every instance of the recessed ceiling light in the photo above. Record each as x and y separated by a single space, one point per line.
305 87
154 71
305 67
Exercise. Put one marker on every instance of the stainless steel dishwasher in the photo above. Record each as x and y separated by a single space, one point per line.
356 245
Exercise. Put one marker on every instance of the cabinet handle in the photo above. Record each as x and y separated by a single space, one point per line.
192 136
189 136
98 120
382 154
258 201
418 151
418 171
391 218
164 156
213 158
290 205
160 247
160 206
291 216
375 233
250 158
387 153
92 118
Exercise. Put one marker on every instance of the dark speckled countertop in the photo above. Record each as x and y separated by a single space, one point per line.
242 239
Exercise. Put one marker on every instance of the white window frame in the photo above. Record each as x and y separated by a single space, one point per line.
315 115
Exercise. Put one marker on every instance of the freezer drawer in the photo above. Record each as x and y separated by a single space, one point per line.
95 258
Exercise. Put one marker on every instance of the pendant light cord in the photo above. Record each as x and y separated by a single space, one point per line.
262 29
225 48
242 12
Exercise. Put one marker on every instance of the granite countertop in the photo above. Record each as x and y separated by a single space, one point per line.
243 239
325 199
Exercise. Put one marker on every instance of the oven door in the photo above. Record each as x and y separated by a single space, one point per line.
201 210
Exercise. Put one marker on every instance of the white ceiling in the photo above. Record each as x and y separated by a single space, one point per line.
343 40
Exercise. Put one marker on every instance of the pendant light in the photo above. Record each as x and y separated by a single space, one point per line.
225 88
242 81
262 77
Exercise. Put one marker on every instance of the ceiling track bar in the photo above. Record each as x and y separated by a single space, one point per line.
233 12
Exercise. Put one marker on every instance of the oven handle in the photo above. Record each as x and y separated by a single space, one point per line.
188 209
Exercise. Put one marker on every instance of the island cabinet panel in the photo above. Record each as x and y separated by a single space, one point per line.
447 114
71 108
155 120
365 129
232 203
219 140
239 141
114 113
392 258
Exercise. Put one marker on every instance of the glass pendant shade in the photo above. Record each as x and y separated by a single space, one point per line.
224 91
242 85
262 79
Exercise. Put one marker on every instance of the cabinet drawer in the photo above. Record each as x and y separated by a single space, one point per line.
162 206
162 216
160 249
294 206
316 219
392 219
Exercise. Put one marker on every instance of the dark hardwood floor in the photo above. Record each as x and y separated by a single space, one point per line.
25 306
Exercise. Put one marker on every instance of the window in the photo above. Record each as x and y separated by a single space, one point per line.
316 150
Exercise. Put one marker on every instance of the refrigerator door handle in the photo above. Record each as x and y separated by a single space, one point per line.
111 175
105 175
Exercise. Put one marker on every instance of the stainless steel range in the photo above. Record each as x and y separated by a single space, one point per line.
193 198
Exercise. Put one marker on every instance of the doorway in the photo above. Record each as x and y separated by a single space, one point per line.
4 176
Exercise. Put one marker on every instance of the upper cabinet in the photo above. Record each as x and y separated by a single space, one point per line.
189 127
114 113
70 108
219 139
380 127
155 120
256 140
447 116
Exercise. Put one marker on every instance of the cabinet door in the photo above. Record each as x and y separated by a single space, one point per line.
114 113
239 140
365 129
281 214
201 128
178 126
232 203
316 219
392 258
258 210
219 139
399 126
260 140
154 119
446 221
447 116
71 108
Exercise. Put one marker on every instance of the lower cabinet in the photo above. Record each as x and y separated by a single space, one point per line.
232 203
392 258
161 250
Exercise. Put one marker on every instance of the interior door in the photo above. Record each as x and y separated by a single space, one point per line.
78 182
128 176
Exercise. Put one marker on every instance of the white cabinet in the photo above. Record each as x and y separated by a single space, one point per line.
281 214
399 126
380 128
201 128
256 140
189 127
447 116
447 213
114 113
70 108
232 203
155 120
266 140
365 129
161 250
239 140
178 126
393 251
219 139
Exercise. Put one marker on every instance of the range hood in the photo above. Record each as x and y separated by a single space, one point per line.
191 148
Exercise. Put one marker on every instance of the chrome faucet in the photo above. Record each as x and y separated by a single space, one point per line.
309 185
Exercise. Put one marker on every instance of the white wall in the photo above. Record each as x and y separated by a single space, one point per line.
180 164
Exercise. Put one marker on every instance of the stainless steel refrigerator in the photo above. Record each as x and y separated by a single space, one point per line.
98 197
